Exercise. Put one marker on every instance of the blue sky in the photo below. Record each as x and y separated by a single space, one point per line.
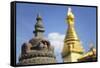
54 22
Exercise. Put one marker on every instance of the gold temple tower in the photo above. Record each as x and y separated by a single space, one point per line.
72 49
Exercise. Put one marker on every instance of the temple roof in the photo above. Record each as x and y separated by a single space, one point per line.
91 53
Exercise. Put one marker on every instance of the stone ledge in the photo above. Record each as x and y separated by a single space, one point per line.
37 54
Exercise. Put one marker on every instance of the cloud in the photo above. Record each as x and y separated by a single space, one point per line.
56 39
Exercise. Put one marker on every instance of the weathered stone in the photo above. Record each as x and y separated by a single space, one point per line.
38 50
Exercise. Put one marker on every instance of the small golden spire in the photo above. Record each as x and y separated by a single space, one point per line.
71 33
70 16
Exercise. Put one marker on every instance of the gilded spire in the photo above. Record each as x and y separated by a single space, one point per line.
71 33
72 49
70 17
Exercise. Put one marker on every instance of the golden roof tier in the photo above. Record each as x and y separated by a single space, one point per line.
89 56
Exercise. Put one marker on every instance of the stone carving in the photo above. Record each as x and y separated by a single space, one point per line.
37 50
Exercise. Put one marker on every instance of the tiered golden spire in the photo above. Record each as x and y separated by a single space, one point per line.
72 49
71 33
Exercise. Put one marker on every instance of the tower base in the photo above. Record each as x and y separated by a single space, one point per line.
72 57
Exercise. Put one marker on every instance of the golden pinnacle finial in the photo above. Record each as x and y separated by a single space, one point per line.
70 16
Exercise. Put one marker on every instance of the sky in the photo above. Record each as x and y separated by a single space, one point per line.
55 25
